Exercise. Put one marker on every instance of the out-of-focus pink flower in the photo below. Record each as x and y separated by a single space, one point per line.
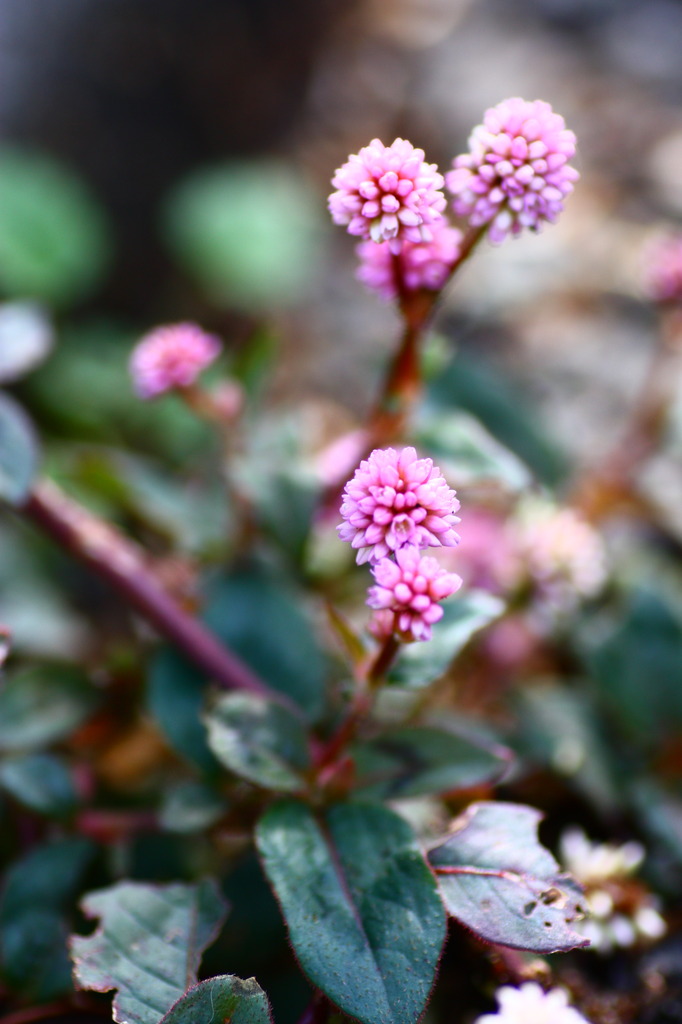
487 556
411 587
171 357
516 173
388 194
561 550
419 264
662 268
529 1004
395 499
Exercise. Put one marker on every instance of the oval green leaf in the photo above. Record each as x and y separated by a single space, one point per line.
41 782
26 338
258 740
499 881
421 664
54 242
247 232
362 908
257 613
19 452
420 760
41 705
223 998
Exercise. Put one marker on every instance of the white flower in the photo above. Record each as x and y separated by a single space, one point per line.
529 1004
621 911
596 862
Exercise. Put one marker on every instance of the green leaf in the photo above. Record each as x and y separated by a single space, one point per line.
420 760
470 385
636 669
26 339
362 908
19 452
190 807
258 740
41 705
421 664
247 232
224 998
39 781
148 945
37 896
257 614
467 453
277 474
54 242
175 697
498 880
557 726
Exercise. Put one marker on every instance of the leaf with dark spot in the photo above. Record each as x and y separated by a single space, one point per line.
498 880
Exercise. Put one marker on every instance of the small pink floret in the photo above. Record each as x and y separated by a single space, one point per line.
388 194
397 499
418 264
662 269
171 357
516 174
411 589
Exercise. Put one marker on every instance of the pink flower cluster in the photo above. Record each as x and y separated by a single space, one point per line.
516 174
662 261
394 505
388 194
171 357
394 499
410 589
419 264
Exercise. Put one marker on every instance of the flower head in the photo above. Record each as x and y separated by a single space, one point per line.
662 270
395 499
516 173
411 587
171 357
419 264
562 551
529 1004
388 194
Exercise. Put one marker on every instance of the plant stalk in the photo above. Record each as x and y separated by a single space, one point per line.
123 565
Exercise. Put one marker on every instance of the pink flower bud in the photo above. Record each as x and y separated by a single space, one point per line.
397 499
516 173
171 357
388 194
411 588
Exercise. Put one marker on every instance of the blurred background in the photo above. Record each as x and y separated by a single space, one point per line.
180 155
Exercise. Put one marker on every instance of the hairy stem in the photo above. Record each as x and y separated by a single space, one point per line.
122 564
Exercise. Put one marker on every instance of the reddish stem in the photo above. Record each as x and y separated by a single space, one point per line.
330 751
402 385
122 564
